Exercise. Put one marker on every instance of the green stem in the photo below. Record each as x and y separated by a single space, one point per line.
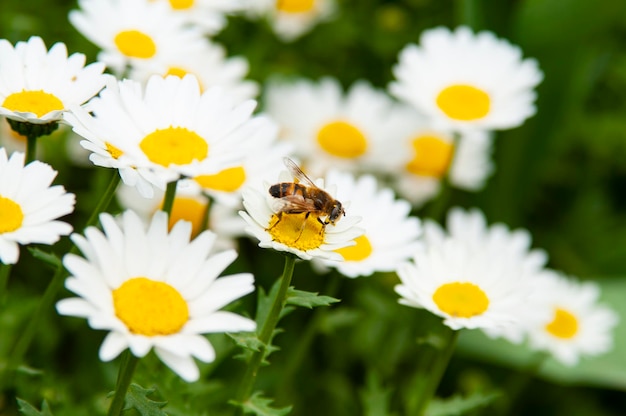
206 218
432 364
168 199
56 283
5 272
124 377
298 354
468 13
31 148
104 202
267 330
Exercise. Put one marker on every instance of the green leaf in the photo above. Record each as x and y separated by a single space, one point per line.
247 341
607 370
137 398
458 405
261 406
28 409
48 258
308 300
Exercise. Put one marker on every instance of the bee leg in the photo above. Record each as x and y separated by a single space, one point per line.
303 226
280 217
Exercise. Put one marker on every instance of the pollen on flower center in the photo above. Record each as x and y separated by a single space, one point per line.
342 139
564 325
297 230
464 102
174 145
188 209
36 102
228 180
462 300
181 4
135 44
150 308
11 215
295 6
432 156
358 252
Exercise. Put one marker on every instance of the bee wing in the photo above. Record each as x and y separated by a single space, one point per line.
297 172
293 204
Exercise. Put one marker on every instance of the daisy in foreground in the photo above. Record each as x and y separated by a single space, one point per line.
170 129
391 235
303 218
29 206
37 85
463 80
576 325
474 276
154 290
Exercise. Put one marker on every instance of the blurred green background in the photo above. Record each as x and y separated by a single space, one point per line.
562 175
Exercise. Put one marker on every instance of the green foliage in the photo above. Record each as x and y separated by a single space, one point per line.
27 409
308 300
137 398
261 406
458 405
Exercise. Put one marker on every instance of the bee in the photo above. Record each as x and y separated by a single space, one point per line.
304 196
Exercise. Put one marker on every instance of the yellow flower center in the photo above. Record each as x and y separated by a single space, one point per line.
342 139
188 209
464 102
180 73
432 156
358 252
135 44
564 325
181 4
11 215
461 300
295 6
174 145
228 180
38 102
296 230
150 308
113 151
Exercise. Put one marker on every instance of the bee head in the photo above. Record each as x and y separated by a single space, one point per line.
336 213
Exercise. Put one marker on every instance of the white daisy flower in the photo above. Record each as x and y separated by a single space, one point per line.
130 32
463 80
29 206
474 276
422 156
207 14
577 324
37 85
306 235
189 205
208 62
154 290
391 235
291 19
330 129
169 131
